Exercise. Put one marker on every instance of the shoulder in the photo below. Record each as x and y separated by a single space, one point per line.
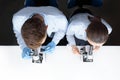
19 17
79 20
18 20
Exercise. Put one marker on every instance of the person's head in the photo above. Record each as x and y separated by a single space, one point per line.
97 33
34 32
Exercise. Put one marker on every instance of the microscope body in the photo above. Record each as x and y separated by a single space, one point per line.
87 53
37 56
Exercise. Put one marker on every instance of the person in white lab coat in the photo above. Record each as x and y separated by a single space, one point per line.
32 25
87 29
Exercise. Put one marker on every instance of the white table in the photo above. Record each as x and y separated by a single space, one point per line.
61 65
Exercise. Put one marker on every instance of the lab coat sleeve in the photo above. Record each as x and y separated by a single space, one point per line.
58 36
62 26
70 39
70 35
17 24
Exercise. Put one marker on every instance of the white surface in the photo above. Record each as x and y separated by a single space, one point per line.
61 65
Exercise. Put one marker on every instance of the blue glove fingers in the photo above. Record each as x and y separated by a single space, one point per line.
50 47
48 51
24 56
26 53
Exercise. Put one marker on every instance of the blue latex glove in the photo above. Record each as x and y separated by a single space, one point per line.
26 54
50 47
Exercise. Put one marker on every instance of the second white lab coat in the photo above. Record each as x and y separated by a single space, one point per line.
77 26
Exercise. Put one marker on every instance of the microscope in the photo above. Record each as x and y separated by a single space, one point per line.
87 53
37 56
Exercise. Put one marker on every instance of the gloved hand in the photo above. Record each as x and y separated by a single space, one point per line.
49 48
26 53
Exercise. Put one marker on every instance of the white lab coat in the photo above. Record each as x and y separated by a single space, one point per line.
77 26
53 17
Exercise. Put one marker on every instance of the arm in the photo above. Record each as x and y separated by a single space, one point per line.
70 35
61 23
58 36
60 26
50 47
70 39
17 24
72 43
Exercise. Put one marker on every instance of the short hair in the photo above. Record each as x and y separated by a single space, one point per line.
97 31
33 32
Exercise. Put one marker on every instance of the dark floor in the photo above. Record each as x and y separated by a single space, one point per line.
109 11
